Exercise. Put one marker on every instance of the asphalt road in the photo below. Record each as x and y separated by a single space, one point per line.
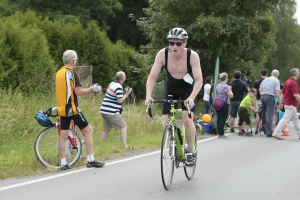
233 168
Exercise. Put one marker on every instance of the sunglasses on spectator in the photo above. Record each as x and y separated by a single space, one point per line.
177 43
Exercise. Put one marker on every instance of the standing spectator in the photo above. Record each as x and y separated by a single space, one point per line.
289 98
264 74
111 108
279 113
239 89
207 88
67 89
244 113
269 87
223 91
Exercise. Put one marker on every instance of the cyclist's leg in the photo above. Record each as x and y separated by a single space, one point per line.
190 132
87 130
64 132
190 129
88 139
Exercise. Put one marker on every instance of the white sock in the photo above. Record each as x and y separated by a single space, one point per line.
90 158
63 161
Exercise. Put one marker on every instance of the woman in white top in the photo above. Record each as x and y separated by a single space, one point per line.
207 86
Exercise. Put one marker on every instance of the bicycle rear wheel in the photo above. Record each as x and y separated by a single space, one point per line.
190 171
167 157
47 151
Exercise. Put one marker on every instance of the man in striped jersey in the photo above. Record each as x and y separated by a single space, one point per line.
111 108
68 88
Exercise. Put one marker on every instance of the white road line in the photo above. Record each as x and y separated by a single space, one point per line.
85 169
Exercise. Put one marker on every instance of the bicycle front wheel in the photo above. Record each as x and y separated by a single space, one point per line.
190 171
47 151
167 157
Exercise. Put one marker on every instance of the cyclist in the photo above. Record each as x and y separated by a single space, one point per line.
183 81
67 89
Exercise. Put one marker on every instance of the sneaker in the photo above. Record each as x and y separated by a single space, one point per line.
65 167
249 134
190 159
227 125
278 137
222 136
232 130
95 163
240 134
243 130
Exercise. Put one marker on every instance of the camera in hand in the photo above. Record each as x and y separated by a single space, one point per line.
246 79
127 88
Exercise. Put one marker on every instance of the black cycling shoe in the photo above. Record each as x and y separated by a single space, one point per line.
190 159
65 167
95 163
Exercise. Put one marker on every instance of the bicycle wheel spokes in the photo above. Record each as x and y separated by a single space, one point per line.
47 150
167 158
190 171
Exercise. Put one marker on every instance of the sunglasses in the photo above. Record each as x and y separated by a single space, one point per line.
177 43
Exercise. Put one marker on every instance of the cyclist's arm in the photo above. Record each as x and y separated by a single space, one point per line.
158 63
197 73
81 92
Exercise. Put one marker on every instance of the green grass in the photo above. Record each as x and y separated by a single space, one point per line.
19 129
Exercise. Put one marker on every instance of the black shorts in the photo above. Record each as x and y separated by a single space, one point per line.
243 116
79 120
182 92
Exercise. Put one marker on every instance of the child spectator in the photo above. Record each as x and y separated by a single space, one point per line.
244 113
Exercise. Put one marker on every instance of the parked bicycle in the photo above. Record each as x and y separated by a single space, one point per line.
46 144
173 145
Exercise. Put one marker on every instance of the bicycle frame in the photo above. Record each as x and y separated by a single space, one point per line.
180 148
171 122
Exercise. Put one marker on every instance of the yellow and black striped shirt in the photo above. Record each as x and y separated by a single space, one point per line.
67 102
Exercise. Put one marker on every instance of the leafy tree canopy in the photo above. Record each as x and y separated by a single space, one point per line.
241 33
98 10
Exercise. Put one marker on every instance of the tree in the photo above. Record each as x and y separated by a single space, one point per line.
26 61
241 33
286 55
123 28
99 10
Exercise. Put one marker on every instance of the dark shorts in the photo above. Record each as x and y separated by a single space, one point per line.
234 108
243 116
182 93
79 120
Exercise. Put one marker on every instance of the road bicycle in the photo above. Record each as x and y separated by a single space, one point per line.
46 144
173 145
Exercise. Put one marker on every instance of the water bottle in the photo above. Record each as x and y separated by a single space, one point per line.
179 135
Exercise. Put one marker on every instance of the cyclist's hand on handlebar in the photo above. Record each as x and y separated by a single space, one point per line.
149 102
96 88
189 103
